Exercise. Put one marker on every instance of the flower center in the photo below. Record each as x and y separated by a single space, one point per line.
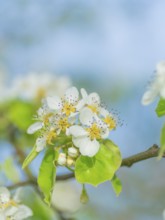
51 135
46 118
68 109
93 108
94 132
110 122
63 124
4 205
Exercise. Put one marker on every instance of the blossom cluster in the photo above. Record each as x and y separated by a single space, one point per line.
157 86
32 86
81 122
11 208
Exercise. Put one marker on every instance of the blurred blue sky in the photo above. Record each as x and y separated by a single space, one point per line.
124 38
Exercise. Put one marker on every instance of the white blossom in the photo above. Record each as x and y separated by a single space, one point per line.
66 196
86 137
10 208
157 87
67 105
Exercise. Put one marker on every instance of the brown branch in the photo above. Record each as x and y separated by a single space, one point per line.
150 153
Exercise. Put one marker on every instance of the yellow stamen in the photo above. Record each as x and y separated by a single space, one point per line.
63 123
68 109
51 135
94 132
7 204
46 118
110 122
93 108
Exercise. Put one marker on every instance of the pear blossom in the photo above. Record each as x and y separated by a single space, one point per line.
86 137
67 105
38 85
109 119
10 208
92 101
157 87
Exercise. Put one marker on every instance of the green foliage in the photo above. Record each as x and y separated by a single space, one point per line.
10 170
162 142
30 157
47 174
116 184
20 114
101 167
160 109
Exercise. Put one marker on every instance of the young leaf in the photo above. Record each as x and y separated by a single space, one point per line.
160 109
47 174
10 170
162 142
30 157
116 184
101 167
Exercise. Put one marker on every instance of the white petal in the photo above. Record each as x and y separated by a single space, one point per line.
77 131
72 95
10 211
86 116
86 146
80 105
149 97
84 93
17 195
93 99
22 212
104 112
34 127
160 68
54 102
2 216
40 143
4 194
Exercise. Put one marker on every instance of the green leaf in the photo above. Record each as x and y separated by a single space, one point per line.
101 167
10 170
20 114
116 184
30 157
162 142
47 174
160 109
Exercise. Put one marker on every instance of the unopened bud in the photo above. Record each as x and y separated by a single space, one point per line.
72 152
61 159
84 196
70 162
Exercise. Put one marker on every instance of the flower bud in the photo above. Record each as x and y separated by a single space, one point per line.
84 196
61 159
70 162
72 152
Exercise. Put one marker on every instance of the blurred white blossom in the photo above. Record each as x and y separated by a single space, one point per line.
66 196
157 87
38 85
11 208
